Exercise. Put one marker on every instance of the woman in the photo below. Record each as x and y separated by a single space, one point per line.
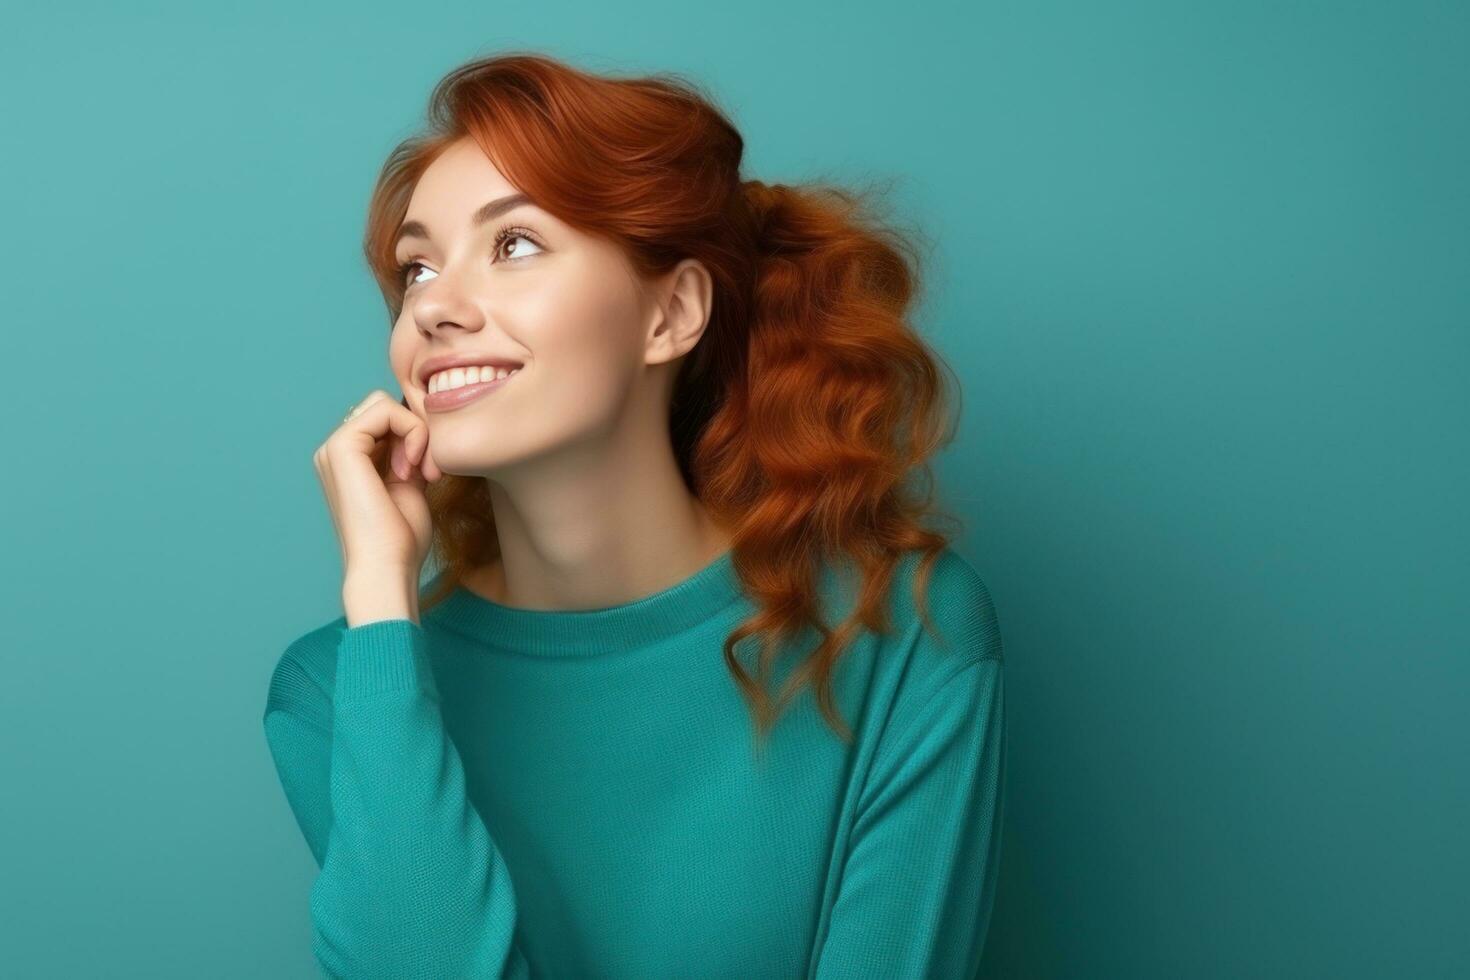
562 760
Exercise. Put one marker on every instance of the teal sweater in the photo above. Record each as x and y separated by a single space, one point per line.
505 792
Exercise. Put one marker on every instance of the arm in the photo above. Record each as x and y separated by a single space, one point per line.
919 879
411 885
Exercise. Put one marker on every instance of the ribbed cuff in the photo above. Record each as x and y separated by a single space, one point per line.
381 656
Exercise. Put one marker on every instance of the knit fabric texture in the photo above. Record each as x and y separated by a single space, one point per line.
503 792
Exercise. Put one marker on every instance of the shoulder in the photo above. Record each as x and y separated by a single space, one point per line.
940 604
959 608
305 672
939 613
951 658
930 680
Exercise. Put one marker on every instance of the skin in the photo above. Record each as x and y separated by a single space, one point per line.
588 501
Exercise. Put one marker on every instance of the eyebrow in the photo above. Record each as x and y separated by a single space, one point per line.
487 212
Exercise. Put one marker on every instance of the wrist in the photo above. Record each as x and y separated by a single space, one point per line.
369 596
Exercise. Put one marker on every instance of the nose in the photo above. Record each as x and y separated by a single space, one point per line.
440 305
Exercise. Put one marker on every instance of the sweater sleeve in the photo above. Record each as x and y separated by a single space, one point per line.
918 881
410 882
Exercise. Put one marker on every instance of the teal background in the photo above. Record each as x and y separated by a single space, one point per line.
1201 271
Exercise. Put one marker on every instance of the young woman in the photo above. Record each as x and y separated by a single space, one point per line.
650 411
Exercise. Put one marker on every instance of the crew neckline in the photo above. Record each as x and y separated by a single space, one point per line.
578 632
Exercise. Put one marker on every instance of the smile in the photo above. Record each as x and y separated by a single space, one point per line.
450 398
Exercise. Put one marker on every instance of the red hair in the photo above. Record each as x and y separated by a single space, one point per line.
808 406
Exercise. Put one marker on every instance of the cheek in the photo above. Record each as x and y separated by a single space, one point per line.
401 347
589 352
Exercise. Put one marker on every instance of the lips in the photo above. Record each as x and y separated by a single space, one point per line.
452 398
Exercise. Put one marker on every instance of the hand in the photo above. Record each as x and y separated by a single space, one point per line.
378 508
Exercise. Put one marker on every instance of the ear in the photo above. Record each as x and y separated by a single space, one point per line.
681 313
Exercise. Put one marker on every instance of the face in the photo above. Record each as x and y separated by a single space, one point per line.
522 287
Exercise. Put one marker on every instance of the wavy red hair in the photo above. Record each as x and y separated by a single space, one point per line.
827 456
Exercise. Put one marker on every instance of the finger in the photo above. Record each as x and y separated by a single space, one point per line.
382 416
415 444
416 477
366 402
400 460
369 398
431 471
379 432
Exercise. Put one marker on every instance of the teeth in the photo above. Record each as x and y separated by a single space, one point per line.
459 377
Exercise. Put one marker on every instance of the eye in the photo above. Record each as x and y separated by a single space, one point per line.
404 269
508 234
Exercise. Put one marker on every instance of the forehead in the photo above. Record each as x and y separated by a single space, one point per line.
455 183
